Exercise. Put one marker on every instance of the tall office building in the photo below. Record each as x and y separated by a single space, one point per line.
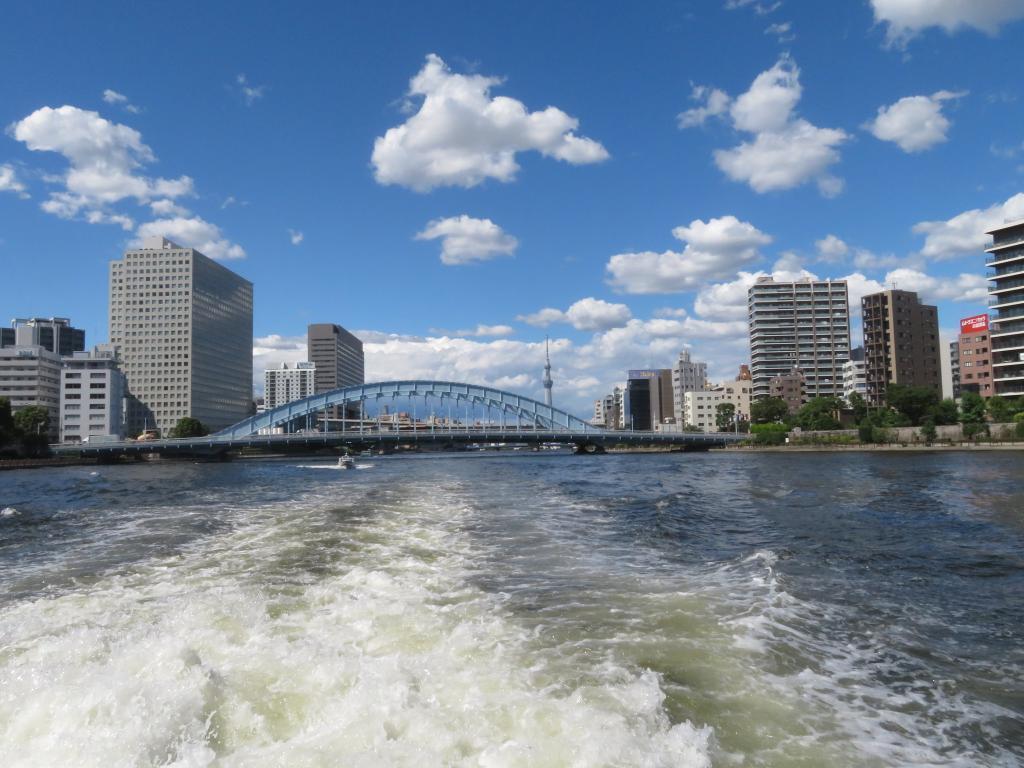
688 375
183 327
974 352
648 399
1006 261
91 396
802 325
30 375
54 334
337 354
901 343
283 385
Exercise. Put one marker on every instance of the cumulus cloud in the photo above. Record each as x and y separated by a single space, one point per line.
104 161
251 93
295 236
831 248
783 31
963 287
914 123
759 7
192 232
113 97
715 103
9 181
714 249
461 135
465 239
587 314
964 233
907 18
785 151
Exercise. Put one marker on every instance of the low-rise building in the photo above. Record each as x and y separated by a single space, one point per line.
92 390
30 375
700 409
739 393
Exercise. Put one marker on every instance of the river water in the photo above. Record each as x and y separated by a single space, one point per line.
516 610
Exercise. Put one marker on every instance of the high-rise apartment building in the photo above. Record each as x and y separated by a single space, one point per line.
30 375
901 343
283 385
974 350
91 396
54 334
338 356
183 327
1006 260
802 325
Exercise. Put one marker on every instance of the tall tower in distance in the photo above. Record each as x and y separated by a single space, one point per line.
548 383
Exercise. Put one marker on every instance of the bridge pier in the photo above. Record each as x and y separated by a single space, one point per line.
588 449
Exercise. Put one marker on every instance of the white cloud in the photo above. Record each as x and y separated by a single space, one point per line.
587 314
9 181
857 287
786 150
965 233
251 93
782 30
490 330
906 18
760 8
295 236
165 207
715 103
104 160
714 250
192 232
113 97
465 239
831 248
675 312
963 287
461 135
914 123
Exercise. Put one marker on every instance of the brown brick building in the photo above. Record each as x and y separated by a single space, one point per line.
901 343
975 353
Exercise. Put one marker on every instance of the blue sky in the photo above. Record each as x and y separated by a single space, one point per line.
455 181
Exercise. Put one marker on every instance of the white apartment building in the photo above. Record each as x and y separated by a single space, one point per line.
91 396
854 379
699 409
183 327
687 376
30 375
802 325
283 385
739 393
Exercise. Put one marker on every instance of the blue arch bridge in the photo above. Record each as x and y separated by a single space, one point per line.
439 414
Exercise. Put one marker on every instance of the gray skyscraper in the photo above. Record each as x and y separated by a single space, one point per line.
804 326
1006 261
183 327
338 356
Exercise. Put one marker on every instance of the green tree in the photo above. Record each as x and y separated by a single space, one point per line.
32 420
724 415
189 427
928 431
912 403
770 410
972 408
7 428
858 406
768 434
819 414
945 412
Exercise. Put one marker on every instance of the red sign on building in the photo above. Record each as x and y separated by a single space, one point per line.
974 324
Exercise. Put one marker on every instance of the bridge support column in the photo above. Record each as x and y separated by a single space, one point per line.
588 449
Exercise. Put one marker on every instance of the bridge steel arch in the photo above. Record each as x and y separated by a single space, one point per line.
525 408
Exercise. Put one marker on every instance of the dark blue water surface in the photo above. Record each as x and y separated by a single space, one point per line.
803 609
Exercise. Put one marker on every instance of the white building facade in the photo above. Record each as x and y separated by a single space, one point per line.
854 379
688 375
699 409
30 375
283 385
92 396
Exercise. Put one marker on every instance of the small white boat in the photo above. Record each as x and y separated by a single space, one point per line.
346 462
